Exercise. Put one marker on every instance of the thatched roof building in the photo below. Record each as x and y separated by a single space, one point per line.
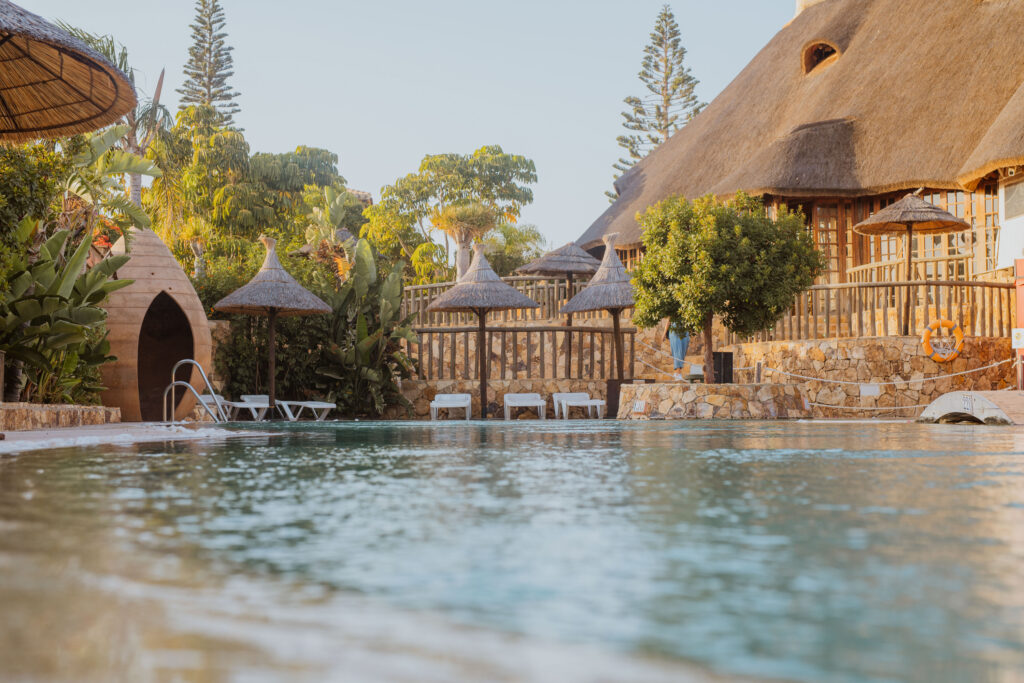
852 98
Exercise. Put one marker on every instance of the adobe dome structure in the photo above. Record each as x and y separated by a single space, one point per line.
153 324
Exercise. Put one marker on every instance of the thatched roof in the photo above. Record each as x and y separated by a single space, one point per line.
920 93
272 289
562 261
609 288
481 288
51 83
925 219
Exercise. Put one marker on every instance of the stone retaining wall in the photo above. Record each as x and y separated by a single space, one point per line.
870 362
421 392
679 401
16 417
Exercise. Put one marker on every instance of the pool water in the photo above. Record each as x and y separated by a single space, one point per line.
796 551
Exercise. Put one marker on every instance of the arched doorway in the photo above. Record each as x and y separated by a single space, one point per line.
165 339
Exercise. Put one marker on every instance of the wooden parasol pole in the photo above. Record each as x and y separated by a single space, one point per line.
272 356
617 334
568 324
481 343
906 304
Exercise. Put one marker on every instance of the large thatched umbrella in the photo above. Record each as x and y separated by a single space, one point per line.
609 290
273 293
479 291
908 216
51 83
569 261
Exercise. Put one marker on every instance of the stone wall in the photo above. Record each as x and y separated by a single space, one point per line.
421 392
679 401
15 417
866 365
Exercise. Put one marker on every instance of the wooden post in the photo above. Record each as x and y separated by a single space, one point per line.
906 304
271 357
617 331
481 343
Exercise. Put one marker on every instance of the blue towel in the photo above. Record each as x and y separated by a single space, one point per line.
679 345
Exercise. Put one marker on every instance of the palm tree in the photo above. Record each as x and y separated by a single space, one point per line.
147 121
465 224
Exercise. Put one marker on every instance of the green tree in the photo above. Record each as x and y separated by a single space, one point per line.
670 100
511 246
730 259
400 224
147 120
210 64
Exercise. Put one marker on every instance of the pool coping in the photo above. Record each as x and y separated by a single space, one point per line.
119 434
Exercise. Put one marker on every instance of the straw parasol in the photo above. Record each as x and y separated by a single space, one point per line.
610 290
569 261
51 83
273 293
908 216
478 291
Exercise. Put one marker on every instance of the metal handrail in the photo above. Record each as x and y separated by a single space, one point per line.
206 381
194 393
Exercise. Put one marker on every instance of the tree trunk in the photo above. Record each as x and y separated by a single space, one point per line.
135 188
464 255
709 359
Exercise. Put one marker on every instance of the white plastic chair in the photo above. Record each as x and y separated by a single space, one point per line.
450 401
256 404
525 401
318 408
559 396
582 400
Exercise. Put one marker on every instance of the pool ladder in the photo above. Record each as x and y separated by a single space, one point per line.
221 414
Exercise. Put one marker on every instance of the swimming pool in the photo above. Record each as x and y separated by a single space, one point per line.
802 551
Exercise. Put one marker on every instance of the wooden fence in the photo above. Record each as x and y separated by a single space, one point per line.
877 309
551 294
522 352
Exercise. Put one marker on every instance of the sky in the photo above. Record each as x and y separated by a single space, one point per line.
385 82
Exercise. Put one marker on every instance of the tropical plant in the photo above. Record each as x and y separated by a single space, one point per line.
210 64
511 246
465 224
670 101
148 120
401 222
730 259
51 320
364 361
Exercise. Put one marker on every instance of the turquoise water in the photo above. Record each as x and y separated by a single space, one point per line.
801 551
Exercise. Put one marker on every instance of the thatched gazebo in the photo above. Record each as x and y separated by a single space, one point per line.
51 83
274 293
609 290
480 291
910 215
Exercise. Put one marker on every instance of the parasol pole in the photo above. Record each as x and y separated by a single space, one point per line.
481 342
617 333
568 324
272 356
906 304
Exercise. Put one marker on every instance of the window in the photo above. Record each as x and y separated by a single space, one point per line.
818 54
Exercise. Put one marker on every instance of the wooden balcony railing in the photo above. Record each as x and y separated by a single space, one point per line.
550 294
521 352
877 309
958 267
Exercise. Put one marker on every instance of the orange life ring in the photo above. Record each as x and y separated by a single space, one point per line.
955 330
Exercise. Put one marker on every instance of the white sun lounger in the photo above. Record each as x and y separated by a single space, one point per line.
450 401
565 401
318 408
524 401
256 404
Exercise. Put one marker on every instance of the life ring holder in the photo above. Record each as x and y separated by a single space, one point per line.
950 354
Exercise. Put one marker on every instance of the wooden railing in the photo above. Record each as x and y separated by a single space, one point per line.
521 352
957 267
877 309
550 293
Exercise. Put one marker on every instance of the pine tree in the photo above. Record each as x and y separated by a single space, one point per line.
210 63
670 101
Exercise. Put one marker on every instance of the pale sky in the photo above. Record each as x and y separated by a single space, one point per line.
382 83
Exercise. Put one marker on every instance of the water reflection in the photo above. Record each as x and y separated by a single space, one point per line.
856 552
